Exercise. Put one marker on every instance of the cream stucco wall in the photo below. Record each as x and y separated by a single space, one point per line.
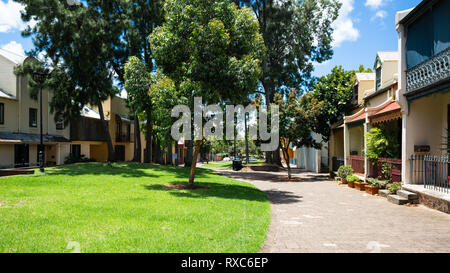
7 82
389 72
7 154
11 115
356 135
362 88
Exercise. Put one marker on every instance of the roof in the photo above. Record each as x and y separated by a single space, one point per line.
365 76
13 57
89 112
417 11
388 111
400 15
4 94
356 117
30 138
388 56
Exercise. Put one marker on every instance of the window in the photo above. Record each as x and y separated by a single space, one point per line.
60 125
378 75
2 113
33 117
355 93
75 150
428 35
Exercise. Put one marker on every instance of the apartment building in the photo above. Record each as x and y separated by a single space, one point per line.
20 123
424 90
88 138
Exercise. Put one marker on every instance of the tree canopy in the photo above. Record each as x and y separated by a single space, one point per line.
211 44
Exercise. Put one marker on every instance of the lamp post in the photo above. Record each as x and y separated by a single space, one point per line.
40 77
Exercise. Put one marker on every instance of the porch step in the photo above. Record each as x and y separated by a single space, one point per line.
408 195
398 200
384 193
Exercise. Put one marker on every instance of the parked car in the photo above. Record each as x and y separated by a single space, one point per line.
226 159
252 159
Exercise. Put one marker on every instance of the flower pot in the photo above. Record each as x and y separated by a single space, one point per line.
351 184
370 189
344 181
360 186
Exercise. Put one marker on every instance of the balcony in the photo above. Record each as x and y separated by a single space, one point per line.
429 73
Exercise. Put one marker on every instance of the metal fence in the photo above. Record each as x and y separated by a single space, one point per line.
430 171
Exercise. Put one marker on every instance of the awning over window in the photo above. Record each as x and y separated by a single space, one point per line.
359 117
389 111
30 138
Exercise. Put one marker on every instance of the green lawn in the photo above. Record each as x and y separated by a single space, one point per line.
125 208
228 164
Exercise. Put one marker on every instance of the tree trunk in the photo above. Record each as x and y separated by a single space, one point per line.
148 138
137 141
188 156
287 159
111 154
276 157
158 151
194 163
170 153
246 142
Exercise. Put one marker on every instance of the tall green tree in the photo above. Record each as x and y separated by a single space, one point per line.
211 44
165 96
332 98
295 124
297 34
137 83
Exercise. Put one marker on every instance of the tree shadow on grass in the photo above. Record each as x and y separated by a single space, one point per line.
127 170
216 190
230 191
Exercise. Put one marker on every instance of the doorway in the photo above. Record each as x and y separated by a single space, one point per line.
120 153
21 155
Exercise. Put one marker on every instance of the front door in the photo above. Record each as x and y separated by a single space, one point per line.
21 155
120 153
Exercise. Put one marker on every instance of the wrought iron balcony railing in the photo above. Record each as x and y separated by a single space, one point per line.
431 71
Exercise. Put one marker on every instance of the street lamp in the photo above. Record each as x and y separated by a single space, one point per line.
40 77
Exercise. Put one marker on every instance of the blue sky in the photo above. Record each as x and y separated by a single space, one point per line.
363 28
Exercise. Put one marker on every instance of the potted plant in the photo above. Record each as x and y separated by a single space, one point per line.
351 179
345 171
394 187
373 187
360 185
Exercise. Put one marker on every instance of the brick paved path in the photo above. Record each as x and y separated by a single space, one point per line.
319 216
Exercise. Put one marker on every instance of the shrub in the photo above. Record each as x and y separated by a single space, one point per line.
386 170
352 178
345 171
381 142
394 187
71 159
375 182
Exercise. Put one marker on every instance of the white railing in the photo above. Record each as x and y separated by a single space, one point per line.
431 71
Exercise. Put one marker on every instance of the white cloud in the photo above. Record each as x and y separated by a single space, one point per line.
10 16
14 47
375 4
344 29
381 14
